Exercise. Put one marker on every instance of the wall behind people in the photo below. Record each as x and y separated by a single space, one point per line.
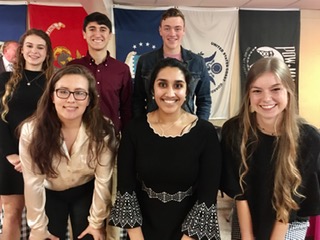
309 102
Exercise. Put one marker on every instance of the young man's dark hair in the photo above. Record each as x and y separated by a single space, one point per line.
98 17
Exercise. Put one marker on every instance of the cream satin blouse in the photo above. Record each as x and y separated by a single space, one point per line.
72 171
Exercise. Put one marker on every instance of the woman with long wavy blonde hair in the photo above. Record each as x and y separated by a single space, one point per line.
20 92
271 158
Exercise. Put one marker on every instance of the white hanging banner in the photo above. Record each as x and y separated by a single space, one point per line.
212 34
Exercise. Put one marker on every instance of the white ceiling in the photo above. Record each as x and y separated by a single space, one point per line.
95 5
271 4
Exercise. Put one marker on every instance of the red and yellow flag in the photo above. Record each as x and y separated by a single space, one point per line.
64 26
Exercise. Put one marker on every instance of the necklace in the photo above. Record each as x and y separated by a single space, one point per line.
33 79
266 131
164 130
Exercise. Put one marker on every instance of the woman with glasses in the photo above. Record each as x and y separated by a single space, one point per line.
67 152
20 92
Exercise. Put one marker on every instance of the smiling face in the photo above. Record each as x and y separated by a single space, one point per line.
97 36
70 109
170 89
34 50
172 31
268 97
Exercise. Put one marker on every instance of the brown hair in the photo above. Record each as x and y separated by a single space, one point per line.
19 66
172 12
46 136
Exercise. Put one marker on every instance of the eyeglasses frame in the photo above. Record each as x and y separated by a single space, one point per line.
70 92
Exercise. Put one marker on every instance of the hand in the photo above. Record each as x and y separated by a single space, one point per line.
185 237
97 234
14 159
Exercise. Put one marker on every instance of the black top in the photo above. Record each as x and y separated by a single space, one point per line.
168 185
259 187
21 105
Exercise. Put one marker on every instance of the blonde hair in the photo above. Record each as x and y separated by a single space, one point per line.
287 177
19 66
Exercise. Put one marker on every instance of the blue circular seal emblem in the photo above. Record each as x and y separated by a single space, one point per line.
218 67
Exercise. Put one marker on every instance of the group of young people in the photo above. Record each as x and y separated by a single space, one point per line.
64 134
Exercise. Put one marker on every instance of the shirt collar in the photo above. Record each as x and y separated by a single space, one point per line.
91 60
7 65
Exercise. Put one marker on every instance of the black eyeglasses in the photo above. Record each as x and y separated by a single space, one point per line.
78 95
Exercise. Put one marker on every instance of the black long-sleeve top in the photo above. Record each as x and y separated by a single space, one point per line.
260 178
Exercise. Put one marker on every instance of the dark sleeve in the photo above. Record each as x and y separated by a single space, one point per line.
126 211
310 206
126 98
139 101
202 92
202 221
230 160
8 143
310 172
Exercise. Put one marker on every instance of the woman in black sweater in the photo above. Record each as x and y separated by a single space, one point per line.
271 158
20 92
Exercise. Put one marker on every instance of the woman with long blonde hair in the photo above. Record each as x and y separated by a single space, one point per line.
19 93
271 158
